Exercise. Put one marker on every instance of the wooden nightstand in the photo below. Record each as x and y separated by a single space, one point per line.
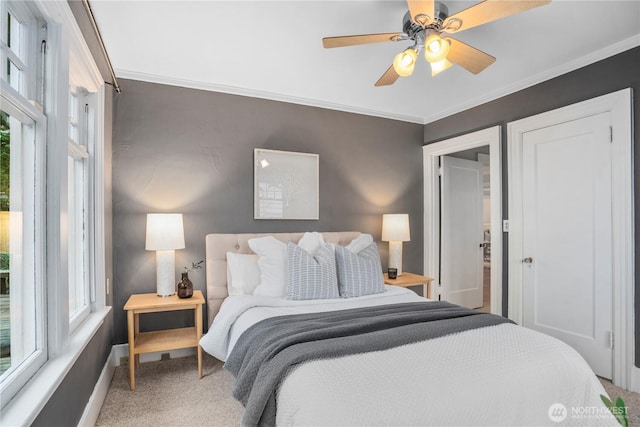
169 339
410 279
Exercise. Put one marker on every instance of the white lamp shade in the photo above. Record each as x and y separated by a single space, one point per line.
164 232
395 228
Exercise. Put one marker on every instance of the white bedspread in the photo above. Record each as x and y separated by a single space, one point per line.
239 312
503 375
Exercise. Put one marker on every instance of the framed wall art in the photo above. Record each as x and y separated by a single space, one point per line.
285 185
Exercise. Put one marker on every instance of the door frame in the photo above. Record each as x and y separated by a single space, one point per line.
431 153
618 104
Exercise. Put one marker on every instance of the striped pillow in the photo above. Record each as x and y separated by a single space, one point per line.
359 273
311 276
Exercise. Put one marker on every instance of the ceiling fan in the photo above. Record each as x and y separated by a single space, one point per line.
425 24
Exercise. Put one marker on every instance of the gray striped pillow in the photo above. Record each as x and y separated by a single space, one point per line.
359 273
311 276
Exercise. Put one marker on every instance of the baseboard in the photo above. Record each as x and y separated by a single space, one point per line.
634 381
122 350
92 410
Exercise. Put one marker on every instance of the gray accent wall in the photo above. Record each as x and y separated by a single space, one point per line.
618 72
66 406
191 151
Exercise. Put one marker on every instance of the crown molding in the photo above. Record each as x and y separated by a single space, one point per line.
595 56
233 90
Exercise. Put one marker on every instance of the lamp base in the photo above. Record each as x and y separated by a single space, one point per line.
395 256
165 273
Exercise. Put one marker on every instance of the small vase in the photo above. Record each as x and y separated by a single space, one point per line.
185 287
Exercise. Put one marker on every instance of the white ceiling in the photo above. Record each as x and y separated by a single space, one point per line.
273 50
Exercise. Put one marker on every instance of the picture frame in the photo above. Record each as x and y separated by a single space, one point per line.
286 185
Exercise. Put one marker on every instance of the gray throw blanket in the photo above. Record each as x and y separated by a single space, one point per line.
266 351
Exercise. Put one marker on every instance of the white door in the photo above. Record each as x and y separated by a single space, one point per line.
462 233
567 236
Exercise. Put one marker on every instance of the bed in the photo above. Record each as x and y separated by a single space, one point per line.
498 374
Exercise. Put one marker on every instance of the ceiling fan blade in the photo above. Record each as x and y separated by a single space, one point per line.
422 12
342 41
468 57
388 78
487 11
437 70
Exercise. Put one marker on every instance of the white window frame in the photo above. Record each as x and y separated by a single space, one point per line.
68 63
78 176
14 102
27 59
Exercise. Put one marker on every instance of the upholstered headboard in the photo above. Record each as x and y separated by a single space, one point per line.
217 246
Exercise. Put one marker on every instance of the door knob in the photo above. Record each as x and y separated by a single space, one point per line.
527 260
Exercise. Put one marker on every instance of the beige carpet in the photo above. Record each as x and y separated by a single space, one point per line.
169 393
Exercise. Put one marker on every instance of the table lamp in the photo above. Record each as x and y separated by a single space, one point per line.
165 233
395 230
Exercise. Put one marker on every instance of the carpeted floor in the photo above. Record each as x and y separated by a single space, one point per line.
168 393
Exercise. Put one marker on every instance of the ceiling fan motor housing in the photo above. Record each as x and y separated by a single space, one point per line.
411 29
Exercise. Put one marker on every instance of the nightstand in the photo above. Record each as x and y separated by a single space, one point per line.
409 279
169 339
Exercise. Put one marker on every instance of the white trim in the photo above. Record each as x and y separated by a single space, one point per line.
548 74
97 210
76 151
80 59
561 69
234 90
619 105
431 152
634 383
27 404
92 410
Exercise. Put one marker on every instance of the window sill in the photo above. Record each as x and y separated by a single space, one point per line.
27 404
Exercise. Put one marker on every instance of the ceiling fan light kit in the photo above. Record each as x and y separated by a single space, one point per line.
405 62
425 23
435 48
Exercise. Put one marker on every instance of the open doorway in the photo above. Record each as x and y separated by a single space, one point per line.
465 207
483 148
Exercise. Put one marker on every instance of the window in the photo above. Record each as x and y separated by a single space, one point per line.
20 58
22 135
77 208
52 277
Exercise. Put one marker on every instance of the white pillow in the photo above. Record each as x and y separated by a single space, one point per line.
273 266
243 273
311 242
359 243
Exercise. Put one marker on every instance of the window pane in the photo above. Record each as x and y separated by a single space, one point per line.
14 29
77 238
17 281
14 76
